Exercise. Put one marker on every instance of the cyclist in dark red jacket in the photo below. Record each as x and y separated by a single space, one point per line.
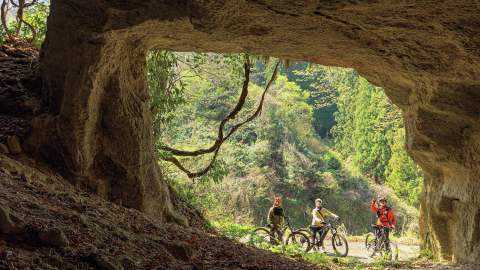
384 213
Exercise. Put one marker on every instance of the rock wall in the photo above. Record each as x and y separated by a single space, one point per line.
95 127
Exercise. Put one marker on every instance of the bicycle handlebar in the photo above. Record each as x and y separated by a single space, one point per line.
330 221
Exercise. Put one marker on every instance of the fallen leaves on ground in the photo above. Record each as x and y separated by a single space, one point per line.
98 230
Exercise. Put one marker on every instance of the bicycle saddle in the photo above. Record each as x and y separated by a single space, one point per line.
314 227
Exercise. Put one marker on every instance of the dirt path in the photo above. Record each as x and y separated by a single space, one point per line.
357 250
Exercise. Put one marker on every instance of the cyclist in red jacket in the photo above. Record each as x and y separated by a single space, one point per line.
384 213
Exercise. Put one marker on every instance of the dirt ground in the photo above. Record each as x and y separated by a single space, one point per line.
357 251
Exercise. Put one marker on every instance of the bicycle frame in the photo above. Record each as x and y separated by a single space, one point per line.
382 236
324 231
286 226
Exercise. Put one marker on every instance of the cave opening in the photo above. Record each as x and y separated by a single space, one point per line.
423 55
191 93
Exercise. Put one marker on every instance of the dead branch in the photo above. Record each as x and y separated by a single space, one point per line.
30 4
33 31
231 115
21 4
218 143
4 18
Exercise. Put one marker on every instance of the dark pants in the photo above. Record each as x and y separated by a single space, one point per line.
318 230
273 228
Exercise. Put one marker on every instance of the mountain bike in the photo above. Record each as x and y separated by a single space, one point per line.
339 243
294 238
379 242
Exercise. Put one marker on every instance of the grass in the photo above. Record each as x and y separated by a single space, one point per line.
238 231
407 239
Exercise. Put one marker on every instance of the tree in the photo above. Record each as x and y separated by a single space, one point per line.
404 176
168 154
366 122
21 5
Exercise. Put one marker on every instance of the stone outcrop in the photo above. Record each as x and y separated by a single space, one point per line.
14 145
4 149
95 127
53 237
10 223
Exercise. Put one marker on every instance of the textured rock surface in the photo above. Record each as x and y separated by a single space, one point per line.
9 222
53 237
4 149
95 127
14 145
107 262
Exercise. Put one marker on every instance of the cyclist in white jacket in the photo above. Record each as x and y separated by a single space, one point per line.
318 217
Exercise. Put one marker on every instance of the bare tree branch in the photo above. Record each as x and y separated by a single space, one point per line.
33 31
31 4
218 143
21 4
4 18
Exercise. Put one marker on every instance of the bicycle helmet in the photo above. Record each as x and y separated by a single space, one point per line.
318 200
278 199
383 199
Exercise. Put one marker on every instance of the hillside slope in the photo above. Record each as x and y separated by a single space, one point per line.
279 154
47 223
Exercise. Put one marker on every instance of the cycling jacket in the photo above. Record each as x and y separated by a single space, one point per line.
384 215
318 216
276 216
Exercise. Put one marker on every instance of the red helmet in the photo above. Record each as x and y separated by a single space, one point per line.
278 199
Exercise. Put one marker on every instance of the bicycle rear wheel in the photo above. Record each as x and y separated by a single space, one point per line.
370 244
389 250
264 239
299 241
340 245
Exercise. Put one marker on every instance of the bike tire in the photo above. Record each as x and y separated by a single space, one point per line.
309 233
300 239
370 244
340 243
389 250
264 234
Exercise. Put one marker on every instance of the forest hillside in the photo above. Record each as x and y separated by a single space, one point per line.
323 132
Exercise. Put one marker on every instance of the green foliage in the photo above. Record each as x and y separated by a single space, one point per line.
233 230
36 15
366 123
404 176
169 73
280 153
166 89
428 254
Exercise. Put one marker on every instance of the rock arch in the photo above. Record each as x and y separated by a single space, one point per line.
95 127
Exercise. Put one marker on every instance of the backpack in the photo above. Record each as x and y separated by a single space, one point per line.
278 211
385 213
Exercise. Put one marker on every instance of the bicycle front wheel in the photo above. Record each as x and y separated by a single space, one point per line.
298 241
370 244
389 250
264 239
340 245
